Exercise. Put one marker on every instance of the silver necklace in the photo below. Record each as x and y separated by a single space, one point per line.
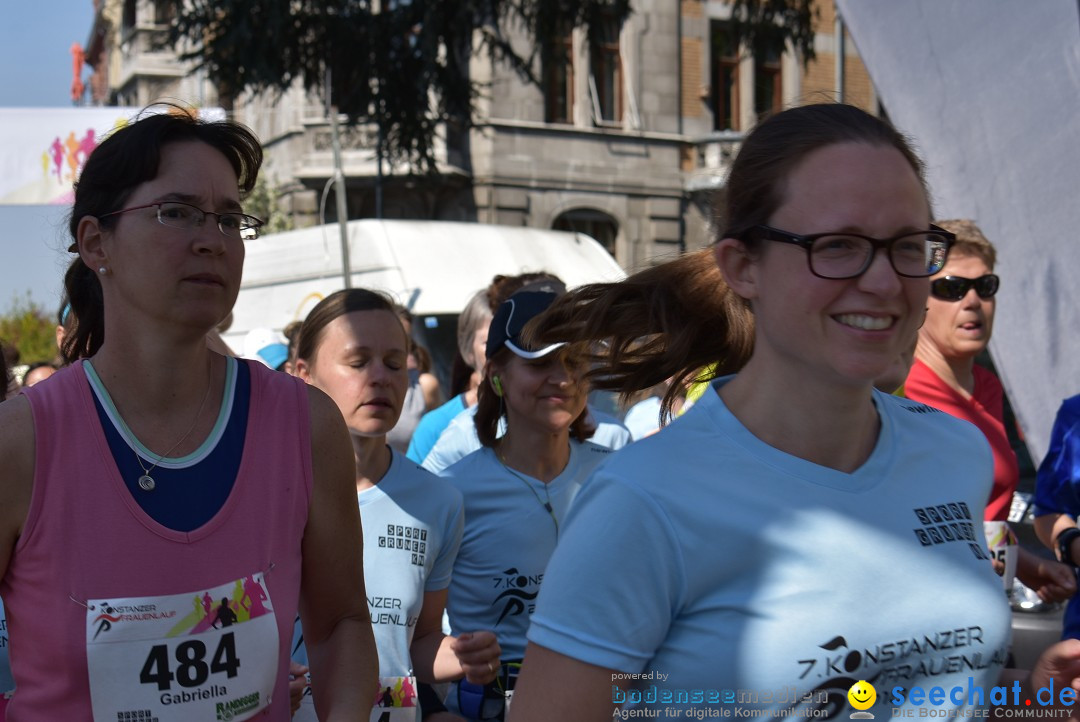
146 482
546 504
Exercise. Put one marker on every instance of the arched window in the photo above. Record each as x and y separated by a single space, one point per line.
594 223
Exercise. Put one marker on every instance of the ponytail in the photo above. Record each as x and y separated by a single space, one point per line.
86 319
669 321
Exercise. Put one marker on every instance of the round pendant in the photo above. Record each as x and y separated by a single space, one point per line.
146 482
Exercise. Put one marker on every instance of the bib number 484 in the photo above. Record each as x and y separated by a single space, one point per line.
192 669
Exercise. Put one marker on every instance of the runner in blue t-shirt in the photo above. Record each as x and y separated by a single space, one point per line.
471 340
1057 499
518 487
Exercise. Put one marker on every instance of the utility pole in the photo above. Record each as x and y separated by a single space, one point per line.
376 9
838 32
378 162
339 191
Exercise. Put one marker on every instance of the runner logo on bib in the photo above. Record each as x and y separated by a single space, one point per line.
211 654
395 702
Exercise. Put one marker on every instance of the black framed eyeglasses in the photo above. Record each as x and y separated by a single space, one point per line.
176 214
916 254
954 288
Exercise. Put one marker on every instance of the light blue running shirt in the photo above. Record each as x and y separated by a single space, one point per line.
509 537
708 560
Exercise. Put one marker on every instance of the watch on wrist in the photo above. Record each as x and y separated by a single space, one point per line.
1064 545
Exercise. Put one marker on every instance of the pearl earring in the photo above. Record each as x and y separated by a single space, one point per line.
102 270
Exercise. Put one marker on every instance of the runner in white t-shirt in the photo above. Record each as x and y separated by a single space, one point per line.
353 347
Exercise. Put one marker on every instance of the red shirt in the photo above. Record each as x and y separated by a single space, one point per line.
985 409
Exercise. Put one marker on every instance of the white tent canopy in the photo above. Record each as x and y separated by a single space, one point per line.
990 92
431 267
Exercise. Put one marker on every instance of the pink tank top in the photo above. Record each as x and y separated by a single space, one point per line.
86 539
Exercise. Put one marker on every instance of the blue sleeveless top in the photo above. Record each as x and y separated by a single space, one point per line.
188 490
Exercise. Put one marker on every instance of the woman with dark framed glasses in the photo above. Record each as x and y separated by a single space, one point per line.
764 550
153 487
958 326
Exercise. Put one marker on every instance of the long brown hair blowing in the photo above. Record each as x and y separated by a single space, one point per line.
677 318
669 321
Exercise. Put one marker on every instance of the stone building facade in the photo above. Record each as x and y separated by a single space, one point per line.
628 140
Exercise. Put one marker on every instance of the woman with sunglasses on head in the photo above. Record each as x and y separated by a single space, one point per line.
153 478
353 347
794 525
517 487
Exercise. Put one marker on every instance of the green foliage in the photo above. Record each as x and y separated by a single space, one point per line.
31 329
262 203
767 26
404 64
405 67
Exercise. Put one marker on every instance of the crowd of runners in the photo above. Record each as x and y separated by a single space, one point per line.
188 535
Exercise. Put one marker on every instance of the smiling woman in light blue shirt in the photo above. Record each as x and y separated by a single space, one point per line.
795 529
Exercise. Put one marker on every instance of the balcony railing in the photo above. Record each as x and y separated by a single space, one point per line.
145 51
713 155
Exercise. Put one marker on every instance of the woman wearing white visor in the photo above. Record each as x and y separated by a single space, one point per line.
517 487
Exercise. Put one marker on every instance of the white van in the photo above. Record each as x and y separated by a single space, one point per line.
430 267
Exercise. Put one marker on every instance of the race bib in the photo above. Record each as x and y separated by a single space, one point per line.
395 702
211 654
1003 546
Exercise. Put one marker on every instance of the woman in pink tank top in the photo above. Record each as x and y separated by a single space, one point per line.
104 601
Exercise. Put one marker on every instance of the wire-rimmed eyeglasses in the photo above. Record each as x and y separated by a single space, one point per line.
915 254
176 214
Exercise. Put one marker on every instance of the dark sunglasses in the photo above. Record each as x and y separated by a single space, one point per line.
954 288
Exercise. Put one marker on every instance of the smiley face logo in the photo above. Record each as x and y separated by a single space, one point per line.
862 695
